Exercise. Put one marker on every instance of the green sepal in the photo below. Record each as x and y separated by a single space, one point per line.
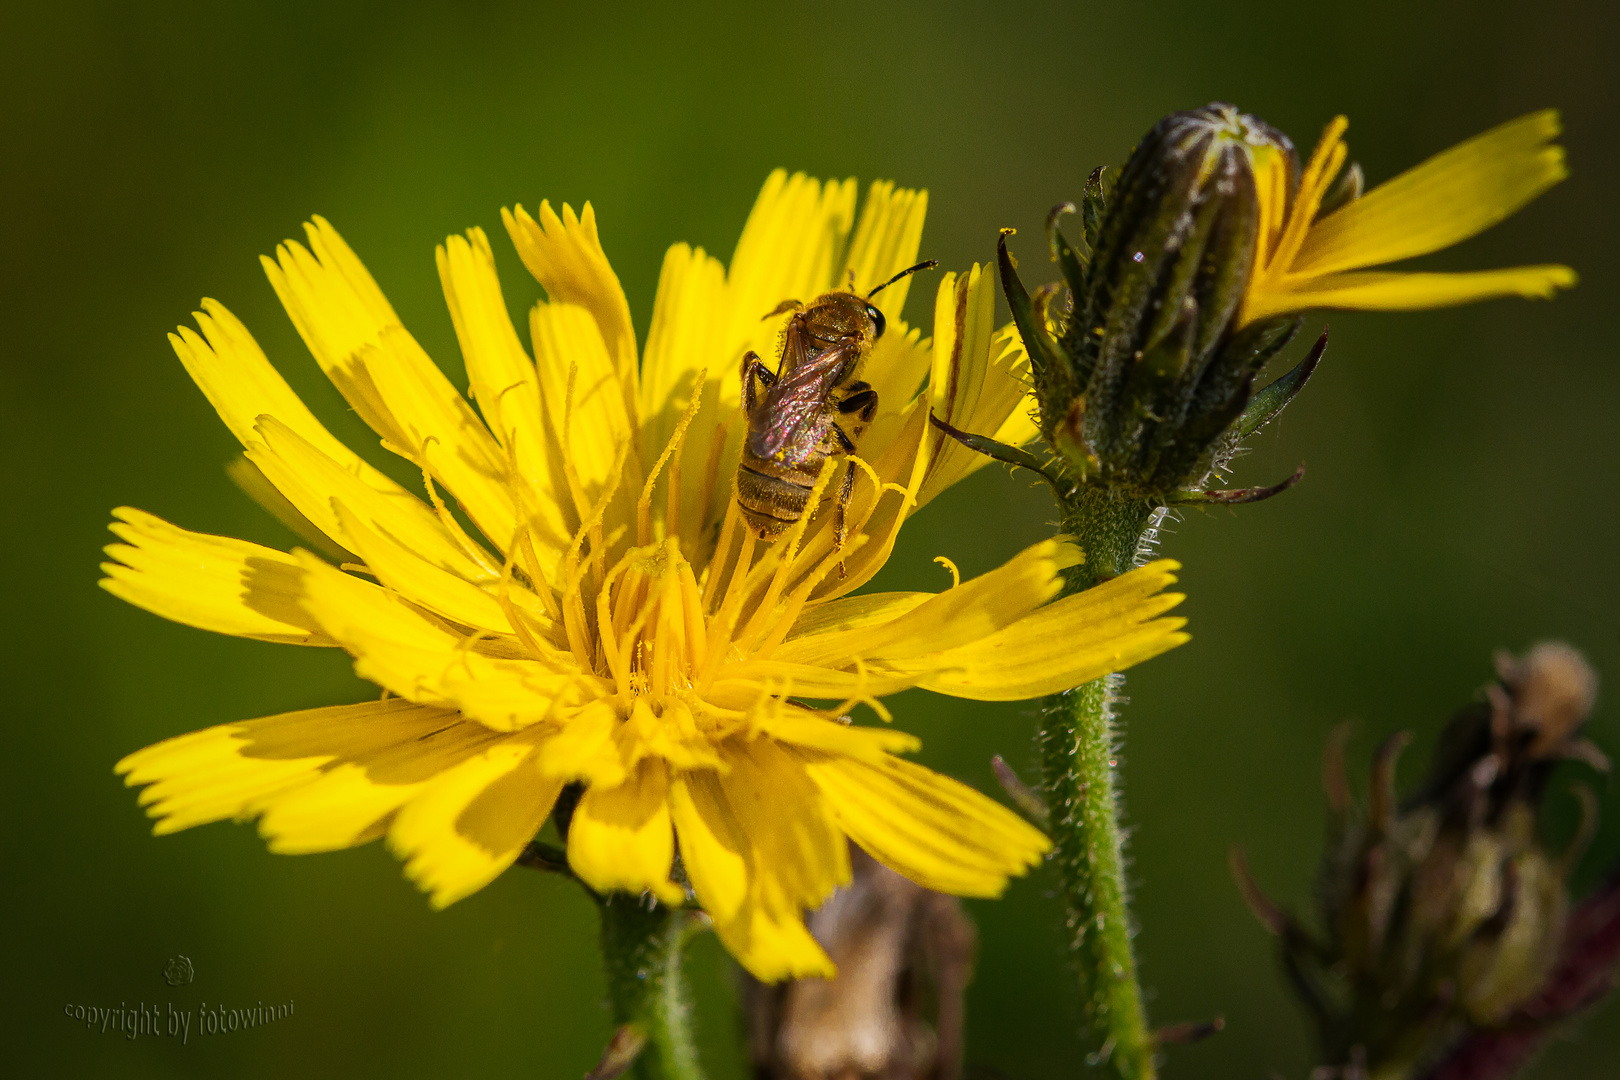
1233 496
1092 205
1267 403
539 855
1069 260
1011 455
1053 374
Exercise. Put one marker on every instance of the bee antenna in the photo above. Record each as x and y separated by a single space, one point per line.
852 279
926 265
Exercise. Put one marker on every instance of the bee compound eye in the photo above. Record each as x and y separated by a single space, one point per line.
877 320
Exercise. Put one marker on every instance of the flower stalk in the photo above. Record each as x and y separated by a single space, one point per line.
643 950
1079 748
1190 274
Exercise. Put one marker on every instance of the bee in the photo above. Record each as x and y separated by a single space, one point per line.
815 405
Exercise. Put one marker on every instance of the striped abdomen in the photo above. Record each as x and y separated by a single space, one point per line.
772 494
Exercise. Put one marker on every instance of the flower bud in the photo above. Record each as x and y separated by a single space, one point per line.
1444 914
1147 370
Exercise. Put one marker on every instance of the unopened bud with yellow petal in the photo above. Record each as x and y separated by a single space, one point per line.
1198 261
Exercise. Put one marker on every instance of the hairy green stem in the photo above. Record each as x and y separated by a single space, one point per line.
642 950
1079 756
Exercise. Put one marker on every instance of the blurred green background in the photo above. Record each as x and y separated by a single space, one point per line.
1462 465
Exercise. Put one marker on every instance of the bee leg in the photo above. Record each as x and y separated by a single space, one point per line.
846 490
754 373
861 401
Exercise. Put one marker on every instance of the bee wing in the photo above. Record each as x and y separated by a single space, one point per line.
793 403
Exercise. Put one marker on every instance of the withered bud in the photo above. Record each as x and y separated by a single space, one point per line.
1147 375
894 1010
1444 913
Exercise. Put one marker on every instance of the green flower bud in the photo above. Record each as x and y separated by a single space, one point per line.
1444 913
1143 384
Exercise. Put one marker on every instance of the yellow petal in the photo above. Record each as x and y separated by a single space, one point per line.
964 321
850 613
811 731
585 748
1106 628
584 403
713 848
621 837
798 857
691 318
972 610
939 833
981 380
896 371
773 944
782 815
472 821
742 685
1450 197
354 798
687 335
211 582
240 384
338 310
788 251
238 770
256 486
565 255
384 374
312 482
399 568
398 647
886 239
504 382
1371 290
444 437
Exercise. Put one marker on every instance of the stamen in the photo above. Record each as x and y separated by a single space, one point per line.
692 612
722 552
576 491
606 641
956 575
672 449
592 525
726 620
711 477
778 631
537 573
859 528
632 639
508 436
504 598
474 550
863 696
576 617
740 570
464 649
521 503
666 634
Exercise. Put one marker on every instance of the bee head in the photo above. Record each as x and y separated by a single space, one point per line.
878 322
872 312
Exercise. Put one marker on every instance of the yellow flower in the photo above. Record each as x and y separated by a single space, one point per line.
606 621
1305 261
